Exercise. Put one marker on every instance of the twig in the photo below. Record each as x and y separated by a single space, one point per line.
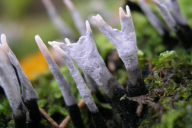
53 123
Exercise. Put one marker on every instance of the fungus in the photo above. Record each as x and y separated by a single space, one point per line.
124 41
76 17
12 93
86 55
29 95
58 22
175 10
183 33
152 17
166 14
168 41
83 89
64 87
180 20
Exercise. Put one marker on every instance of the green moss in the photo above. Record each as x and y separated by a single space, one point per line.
6 115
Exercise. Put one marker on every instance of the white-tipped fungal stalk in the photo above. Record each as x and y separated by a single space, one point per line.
153 19
76 17
12 71
69 98
124 41
13 95
174 8
29 95
28 92
166 14
58 22
65 89
87 57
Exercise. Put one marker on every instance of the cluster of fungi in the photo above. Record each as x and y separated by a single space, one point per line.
85 54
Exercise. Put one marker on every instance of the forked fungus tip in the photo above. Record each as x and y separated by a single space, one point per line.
121 12
98 19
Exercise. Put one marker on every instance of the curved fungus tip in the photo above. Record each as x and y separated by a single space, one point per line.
88 26
4 42
67 41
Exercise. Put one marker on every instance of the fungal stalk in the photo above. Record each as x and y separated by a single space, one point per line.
183 32
176 13
65 89
29 95
124 41
12 71
166 15
152 17
56 19
83 89
19 110
76 17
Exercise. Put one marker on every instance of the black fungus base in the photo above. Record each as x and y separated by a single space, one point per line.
20 120
34 112
133 6
98 120
1 91
184 33
168 41
126 108
75 115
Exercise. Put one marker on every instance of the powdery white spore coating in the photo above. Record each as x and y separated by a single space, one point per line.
65 89
124 40
166 14
81 86
28 92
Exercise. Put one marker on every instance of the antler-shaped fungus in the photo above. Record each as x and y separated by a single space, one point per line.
86 55
124 41
83 89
